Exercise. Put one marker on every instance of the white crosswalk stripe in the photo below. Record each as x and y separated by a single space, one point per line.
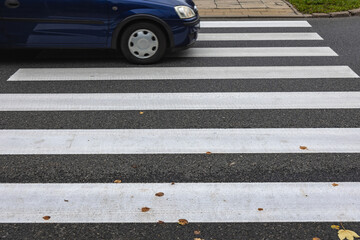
179 101
258 52
173 73
180 141
253 24
258 36
195 201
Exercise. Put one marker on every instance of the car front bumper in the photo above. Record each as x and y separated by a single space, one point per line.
185 32
194 27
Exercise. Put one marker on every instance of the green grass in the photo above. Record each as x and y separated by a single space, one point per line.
324 6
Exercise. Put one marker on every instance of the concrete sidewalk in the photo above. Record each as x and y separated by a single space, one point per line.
246 8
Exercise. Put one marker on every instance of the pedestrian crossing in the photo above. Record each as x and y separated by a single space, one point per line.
259 36
259 52
172 73
179 101
189 200
196 201
180 141
254 24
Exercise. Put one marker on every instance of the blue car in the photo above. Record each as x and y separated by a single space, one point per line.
143 30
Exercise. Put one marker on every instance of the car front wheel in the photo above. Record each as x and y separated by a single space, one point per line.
143 43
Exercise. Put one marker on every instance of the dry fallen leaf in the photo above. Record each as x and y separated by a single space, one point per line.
197 239
197 232
208 153
260 209
347 234
172 183
134 166
141 113
303 148
159 194
145 209
183 222
160 222
316 238
335 184
46 217
232 164
65 200
117 181
335 227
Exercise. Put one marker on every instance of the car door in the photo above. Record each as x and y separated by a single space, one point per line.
55 23
3 40
82 23
19 20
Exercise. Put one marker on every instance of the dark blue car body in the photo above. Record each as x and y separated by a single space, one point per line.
89 23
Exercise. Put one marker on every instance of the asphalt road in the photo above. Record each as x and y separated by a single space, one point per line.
342 35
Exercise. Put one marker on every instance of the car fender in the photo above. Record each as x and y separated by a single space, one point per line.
136 17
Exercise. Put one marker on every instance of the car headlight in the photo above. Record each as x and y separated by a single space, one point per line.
184 12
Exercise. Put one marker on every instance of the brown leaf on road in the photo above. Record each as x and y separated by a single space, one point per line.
183 222
303 148
117 181
316 238
197 232
141 113
347 235
208 153
260 209
159 194
46 218
160 222
134 166
65 200
145 209
335 184
172 183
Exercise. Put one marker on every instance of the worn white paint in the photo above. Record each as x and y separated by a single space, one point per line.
179 101
180 141
253 24
258 36
195 202
258 52
181 73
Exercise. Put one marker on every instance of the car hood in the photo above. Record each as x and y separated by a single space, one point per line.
174 2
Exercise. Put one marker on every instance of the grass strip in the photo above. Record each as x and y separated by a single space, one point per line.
324 6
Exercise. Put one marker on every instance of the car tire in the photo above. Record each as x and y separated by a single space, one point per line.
143 43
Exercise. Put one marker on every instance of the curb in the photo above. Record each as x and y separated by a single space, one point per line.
349 13
246 14
293 8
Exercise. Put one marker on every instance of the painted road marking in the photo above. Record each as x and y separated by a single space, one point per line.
179 101
180 141
258 36
172 73
253 24
195 202
258 52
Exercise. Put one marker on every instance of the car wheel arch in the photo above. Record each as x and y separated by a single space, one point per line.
141 18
